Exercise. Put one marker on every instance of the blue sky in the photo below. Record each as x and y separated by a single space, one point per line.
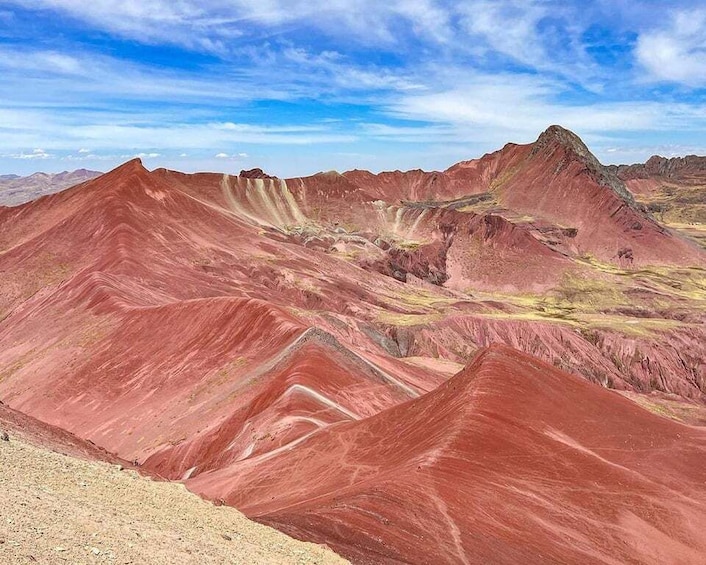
297 86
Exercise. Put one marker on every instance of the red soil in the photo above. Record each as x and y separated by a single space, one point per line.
555 179
509 460
211 328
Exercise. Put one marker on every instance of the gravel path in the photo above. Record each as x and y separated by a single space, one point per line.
59 509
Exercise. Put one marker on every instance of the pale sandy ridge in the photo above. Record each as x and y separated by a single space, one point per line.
59 509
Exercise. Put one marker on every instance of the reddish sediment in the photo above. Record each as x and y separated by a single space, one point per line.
220 330
510 459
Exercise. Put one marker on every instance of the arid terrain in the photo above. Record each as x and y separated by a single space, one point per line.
15 189
501 362
65 501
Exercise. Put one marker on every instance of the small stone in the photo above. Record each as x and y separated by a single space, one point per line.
60 549
95 551
4 436
226 537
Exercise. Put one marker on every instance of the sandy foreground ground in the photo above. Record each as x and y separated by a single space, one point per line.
59 509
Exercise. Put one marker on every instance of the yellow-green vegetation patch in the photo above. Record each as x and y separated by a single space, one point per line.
399 319
518 218
585 293
530 316
695 232
688 282
500 180
604 296
420 297
681 411
682 282
349 254
638 327
523 306
408 245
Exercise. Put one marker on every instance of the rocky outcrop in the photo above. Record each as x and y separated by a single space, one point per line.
674 168
574 147
254 174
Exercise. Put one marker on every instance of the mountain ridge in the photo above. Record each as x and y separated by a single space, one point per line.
245 332
16 189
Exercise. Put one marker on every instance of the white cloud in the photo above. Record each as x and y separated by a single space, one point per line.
213 25
677 51
486 111
108 132
447 82
34 154
104 79
40 61
91 157
234 157
504 26
508 27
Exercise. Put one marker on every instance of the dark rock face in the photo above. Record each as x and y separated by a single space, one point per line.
606 176
255 174
426 262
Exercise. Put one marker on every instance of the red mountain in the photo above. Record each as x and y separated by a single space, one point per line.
557 180
509 460
246 333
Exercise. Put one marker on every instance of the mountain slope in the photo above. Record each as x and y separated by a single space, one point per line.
510 459
674 190
215 327
58 509
557 180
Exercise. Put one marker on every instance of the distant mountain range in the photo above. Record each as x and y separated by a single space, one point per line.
15 189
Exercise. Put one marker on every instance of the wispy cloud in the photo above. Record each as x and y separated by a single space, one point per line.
213 25
104 132
209 81
35 154
233 157
676 52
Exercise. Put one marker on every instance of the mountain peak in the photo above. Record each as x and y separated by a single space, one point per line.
129 169
256 173
131 165
556 136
